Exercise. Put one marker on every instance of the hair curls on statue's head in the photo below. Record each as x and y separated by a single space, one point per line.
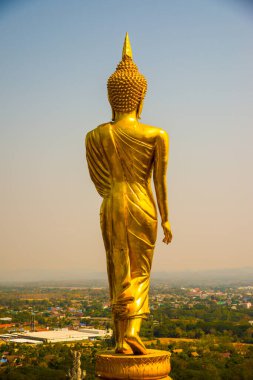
126 86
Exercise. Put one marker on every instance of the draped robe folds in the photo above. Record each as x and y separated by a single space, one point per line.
120 166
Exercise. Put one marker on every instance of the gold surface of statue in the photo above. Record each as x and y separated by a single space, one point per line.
123 156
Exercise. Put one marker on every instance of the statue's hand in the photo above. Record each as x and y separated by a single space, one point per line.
167 232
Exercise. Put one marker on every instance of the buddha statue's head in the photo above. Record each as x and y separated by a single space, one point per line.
126 86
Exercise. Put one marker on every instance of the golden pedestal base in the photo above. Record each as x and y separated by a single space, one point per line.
154 366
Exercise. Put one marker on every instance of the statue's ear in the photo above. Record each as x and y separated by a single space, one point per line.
140 106
113 114
139 109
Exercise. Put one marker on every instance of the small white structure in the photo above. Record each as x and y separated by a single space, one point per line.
6 319
26 341
247 305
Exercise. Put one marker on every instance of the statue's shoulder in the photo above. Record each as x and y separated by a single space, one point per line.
155 132
100 129
163 134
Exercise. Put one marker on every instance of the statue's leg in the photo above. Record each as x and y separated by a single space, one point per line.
132 336
120 330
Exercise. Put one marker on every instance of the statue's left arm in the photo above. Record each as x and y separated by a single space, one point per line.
160 168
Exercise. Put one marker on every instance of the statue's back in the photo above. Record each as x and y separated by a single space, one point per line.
129 151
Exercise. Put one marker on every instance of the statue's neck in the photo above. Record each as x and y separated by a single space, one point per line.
129 116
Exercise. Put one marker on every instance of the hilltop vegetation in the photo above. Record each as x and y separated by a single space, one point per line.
208 331
205 359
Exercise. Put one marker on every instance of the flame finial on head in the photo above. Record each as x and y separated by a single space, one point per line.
127 50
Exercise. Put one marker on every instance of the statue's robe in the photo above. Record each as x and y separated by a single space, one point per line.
121 167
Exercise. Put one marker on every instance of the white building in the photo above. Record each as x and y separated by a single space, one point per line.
6 319
64 335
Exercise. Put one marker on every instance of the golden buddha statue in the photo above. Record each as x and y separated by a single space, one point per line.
122 155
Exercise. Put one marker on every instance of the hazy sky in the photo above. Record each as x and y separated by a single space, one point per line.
55 58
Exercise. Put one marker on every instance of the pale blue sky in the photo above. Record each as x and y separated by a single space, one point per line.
56 56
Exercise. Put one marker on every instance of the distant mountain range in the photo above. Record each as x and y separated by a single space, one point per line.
233 276
240 276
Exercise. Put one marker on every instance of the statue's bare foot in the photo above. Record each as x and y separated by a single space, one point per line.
123 348
136 344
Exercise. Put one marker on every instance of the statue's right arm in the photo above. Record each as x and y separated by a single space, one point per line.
97 165
160 168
